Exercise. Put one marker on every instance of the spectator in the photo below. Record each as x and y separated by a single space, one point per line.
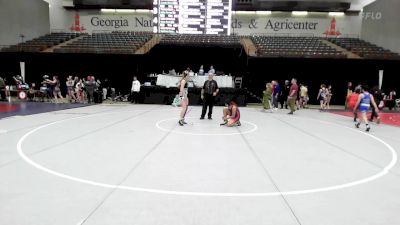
56 88
70 89
293 91
212 70
303 96
284 95
106 88
201 71
328 96
377 95
2 89
32 92
90 87
49 88
267 98
322 96
349 92
172 72
390 100
275 95
18 80
135 90
79 91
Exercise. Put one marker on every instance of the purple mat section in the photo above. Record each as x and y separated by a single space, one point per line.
29 108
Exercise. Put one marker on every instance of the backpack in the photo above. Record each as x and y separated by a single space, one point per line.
177 101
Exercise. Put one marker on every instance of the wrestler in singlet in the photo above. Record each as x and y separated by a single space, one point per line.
365 102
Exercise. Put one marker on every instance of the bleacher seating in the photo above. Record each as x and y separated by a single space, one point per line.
309 47
364 49
115 43
41 43
201 40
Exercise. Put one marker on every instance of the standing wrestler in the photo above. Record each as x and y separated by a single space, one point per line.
183 95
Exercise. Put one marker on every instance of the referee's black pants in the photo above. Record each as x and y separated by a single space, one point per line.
208 101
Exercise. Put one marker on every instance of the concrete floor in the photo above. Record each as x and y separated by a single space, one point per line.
133 164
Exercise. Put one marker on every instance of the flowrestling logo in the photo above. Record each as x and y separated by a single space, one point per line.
371 15
333 31
77 24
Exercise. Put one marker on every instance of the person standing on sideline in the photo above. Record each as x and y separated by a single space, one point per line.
294 89
391 100
90 87
56 88
377 94
267 98
364 101
183 95
328 96
106 88
70 89
303 96
349 92
209 91
275 94
2 89
322 96
285 94
135 90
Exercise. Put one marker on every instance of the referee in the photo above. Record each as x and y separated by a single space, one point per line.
209 91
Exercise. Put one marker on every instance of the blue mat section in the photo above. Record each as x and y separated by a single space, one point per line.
29 108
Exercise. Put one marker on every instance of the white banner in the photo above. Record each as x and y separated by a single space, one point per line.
277 23
22 66
380 78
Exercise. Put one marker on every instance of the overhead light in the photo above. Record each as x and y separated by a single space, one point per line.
143 10
125 10
299 13
336 13
244 12
263 12
108 10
